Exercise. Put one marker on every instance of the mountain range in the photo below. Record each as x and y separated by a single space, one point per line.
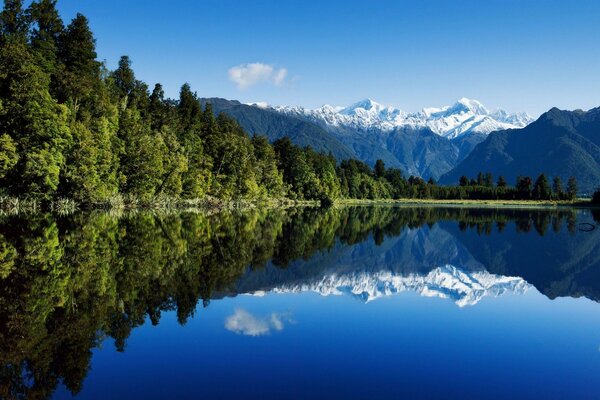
427 144
441 143
464 117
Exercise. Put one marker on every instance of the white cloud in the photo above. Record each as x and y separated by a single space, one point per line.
242 322
246 75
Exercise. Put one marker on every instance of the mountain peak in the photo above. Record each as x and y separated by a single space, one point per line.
366 104
470 105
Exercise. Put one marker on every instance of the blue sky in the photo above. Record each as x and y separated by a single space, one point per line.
517 55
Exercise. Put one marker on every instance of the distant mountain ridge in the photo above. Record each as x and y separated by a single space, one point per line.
426 144
464 117
560 143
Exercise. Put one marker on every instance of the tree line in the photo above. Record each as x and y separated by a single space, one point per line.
72 128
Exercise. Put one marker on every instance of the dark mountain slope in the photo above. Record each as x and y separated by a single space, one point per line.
273 125
560 143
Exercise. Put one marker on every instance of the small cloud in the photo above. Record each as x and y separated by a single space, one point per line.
246 75
244 323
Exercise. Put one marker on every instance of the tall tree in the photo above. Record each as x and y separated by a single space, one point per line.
379 168
557 188
541 188
45 36
524 186
124 77
14 23
501 182
81 76
572 188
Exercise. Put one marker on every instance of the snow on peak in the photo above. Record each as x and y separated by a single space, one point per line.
366 104
465 116
465 288
470 105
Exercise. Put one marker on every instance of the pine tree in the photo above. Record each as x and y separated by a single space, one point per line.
501 182
488 180
541 189
124 78
45 36
81 76
557 188
379 169
464 181
572 188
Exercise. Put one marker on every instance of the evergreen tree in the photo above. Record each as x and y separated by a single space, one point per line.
142 163
501 182
14 23
34 122
524 186
198 177
124 78
464 181
572 188
45 36
480 179
268 176
488 180
80 78
8 155
557 188
541 189
379 168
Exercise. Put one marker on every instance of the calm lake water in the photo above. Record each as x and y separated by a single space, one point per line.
357 302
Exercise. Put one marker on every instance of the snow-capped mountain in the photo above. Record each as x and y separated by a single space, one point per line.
465 116
465 288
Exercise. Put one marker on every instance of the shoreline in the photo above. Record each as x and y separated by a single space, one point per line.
15 206
578 203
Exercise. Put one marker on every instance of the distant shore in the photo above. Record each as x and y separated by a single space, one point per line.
584 203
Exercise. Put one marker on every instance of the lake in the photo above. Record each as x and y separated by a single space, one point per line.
352 302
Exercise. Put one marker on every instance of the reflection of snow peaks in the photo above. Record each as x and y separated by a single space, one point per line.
449 282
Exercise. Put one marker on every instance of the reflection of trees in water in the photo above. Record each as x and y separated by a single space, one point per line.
66 284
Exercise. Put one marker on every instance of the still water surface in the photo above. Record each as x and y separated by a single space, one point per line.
357 302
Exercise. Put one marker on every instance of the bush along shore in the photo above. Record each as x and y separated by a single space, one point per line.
76 135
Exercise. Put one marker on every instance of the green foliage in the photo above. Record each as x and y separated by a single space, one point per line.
8 155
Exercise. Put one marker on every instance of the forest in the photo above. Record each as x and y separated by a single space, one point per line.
70 128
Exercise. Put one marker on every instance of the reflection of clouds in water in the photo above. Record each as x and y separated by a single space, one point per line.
242 322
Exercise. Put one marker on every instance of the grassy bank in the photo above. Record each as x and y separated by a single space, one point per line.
471 203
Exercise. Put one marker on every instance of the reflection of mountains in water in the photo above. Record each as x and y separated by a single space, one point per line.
446 260
449 282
